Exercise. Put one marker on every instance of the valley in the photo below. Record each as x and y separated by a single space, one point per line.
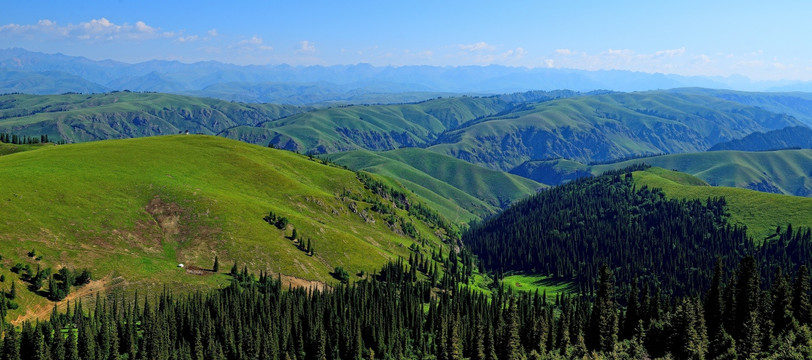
487 204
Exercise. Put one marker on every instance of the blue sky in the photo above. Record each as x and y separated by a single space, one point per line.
721 38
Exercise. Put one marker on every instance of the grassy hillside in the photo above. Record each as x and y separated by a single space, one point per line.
373 127
460 190
6 149
782 171
131 210
786 138
797 104
606 127
81 117
761 212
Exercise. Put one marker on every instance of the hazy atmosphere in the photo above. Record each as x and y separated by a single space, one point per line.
759 40
433 180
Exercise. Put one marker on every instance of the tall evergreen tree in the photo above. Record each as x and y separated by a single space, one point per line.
11 345
748 294
511 344
801 307
602 333
781 296
632 312
713 300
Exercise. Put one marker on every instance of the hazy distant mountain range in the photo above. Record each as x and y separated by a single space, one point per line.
38 73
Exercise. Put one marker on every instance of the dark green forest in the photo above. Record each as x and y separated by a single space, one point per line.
569 231
655 278
395 316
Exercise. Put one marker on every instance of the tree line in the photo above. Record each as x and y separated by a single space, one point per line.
569 231
392 316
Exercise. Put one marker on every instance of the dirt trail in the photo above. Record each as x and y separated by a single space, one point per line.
299 282
44 311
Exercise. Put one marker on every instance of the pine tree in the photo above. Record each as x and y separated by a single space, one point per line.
632 312
713 300
511 344
86 343
71 348
216 267
781 297
603 322
454 346
801 308
11 345
748 294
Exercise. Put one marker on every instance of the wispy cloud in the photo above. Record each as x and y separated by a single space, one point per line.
254 43
479 46
93 30
306 47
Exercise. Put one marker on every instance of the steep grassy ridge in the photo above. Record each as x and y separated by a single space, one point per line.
761 212
374 127
797 104
460 190
81 117
606 127
783 171
133 209
786 138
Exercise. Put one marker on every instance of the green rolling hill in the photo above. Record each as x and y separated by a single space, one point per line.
797 104
374 127
458 189
786 138
131 210
605 127
781 171
81 117
761 212
499 132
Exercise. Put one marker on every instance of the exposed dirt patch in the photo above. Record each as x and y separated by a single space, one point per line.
167 215
43 311
302 283
194 270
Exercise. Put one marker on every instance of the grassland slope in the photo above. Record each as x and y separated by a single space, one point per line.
460 190
123 114
131 210
761 212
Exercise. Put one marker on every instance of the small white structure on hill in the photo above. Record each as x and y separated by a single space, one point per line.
180 265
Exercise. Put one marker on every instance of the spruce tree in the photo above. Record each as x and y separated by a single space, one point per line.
511 344
801 308
216 267
632 312
602 333
11 345
781 297
748 294
713 300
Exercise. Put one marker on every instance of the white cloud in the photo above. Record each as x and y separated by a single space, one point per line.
550 63
190 38
479 46
516 53
213 33
306 47
93 30
670 52
254 43
564 52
